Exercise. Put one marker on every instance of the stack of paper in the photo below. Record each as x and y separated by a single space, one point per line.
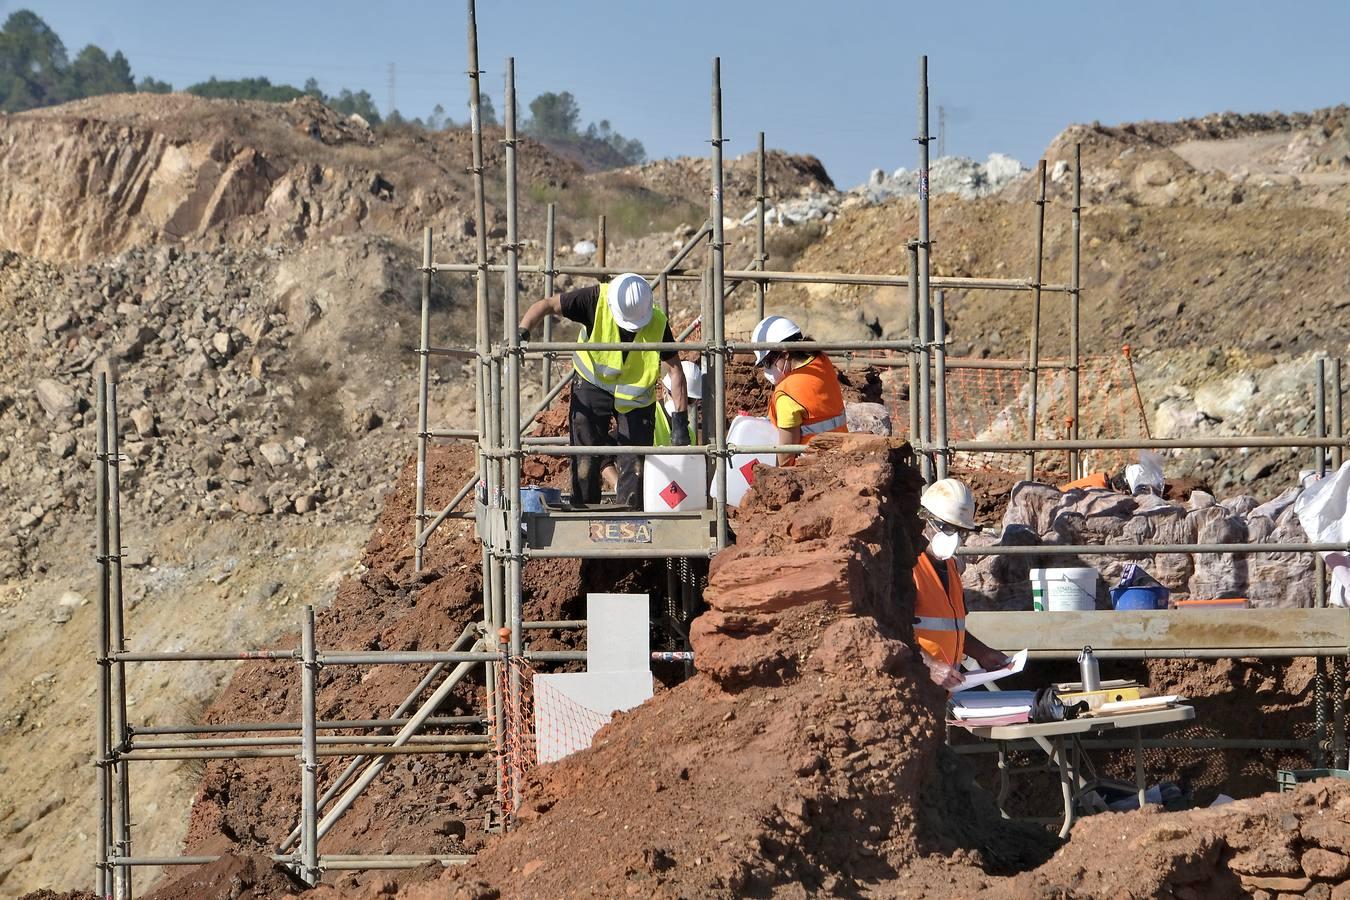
977 677
975 705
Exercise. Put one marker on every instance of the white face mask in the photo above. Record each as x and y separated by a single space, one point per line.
944 545
775 373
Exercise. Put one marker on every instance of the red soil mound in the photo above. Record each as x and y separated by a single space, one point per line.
233 876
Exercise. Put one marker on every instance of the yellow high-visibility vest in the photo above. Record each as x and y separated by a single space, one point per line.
632 381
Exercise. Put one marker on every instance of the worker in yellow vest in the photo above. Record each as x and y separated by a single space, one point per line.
616 387
948 511
807 399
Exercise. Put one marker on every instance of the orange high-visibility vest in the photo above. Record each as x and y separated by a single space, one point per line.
1096 480
939 614
815 387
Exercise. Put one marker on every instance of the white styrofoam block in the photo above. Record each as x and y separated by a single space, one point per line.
618 633
570 707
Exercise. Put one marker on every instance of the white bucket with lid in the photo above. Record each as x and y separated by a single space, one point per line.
1064 590
674 483
749 431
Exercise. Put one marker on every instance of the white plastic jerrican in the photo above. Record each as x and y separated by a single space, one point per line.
1064 590
674 483
750 431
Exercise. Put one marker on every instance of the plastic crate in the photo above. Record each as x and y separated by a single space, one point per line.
1288 779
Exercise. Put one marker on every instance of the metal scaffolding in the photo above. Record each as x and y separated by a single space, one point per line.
510 538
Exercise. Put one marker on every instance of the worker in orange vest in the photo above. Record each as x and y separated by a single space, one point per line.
806 397
948 511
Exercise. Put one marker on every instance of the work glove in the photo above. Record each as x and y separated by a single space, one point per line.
523 334
679 428
943 675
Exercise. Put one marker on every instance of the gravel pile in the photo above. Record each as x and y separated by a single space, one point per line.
222 412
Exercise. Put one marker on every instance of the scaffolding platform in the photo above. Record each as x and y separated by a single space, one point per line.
1168 633
611 532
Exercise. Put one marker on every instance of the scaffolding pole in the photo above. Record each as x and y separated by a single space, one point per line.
940 368
511 315
1337 414
925 287
487 400
1324 743
309 754
1338 664
550 241
103 756
771 276
395 720
423 389
718 346
383 754
915 336
761 257
1034 356
1075 308
117 640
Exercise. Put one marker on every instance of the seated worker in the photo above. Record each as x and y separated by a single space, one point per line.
806 397
615 386
939 601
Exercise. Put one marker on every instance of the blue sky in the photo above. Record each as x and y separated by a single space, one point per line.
835 79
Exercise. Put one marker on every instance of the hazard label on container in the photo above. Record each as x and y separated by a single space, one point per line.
748 470
673 494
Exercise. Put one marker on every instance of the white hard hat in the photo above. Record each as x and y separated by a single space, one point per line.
951 501
693 380
630 300
772 329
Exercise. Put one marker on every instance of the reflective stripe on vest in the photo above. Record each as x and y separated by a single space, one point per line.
938 623
815 388
630 375
939 613
836 423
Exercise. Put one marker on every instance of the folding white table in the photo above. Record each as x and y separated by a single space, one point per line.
1061 741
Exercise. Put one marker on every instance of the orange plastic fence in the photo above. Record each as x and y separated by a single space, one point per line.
992 404
574 726
516 753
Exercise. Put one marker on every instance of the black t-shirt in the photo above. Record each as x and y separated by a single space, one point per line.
579 306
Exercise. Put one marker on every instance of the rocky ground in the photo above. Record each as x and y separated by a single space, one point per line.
249 272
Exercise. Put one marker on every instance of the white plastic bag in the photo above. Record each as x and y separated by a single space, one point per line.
1323 509
1147 475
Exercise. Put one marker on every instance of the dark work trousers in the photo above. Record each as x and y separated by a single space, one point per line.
590 415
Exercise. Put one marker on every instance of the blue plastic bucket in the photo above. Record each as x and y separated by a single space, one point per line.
1131 598
537 499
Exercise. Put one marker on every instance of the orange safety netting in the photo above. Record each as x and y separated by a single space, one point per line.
569 727
993 404
516 752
